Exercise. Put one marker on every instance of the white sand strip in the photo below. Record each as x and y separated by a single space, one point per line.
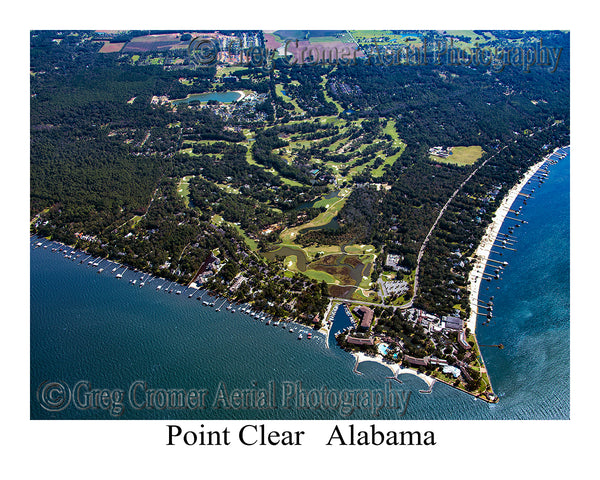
487 242
394 367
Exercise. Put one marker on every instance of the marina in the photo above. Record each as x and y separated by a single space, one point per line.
488 309
131 275
506 241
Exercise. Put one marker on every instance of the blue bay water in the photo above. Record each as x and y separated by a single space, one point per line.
222 97
94 327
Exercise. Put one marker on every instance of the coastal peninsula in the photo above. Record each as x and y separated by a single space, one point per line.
386 356
299 189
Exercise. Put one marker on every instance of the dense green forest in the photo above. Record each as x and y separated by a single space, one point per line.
160 187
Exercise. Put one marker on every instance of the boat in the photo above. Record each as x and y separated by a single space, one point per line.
178 292
233 310
190 295
309 336
300 337
159 287
291 330
101 270
268 322
119 275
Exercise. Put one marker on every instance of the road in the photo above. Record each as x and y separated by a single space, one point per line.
409 304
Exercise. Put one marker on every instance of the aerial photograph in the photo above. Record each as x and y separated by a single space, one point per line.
299 225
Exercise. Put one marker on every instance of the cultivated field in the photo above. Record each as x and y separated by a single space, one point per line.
111 47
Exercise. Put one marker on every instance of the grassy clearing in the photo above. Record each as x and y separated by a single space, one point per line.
199 142
321 276
461 156
326 120
338 107
359 295
290 182
359 249
216 219
366 282
226 71
251 161
288 99
299 144
183 189
249 157
291 263
472 38
250 242
135 220
379 171
388 277
289 234
367 258
390 129
313 251
359 169
228 188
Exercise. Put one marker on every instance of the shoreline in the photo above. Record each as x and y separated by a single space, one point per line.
481 257
483 251
173 284
394 367
189 95
398 370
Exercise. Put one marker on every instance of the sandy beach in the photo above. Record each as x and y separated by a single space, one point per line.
487 242
242 95
394 367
